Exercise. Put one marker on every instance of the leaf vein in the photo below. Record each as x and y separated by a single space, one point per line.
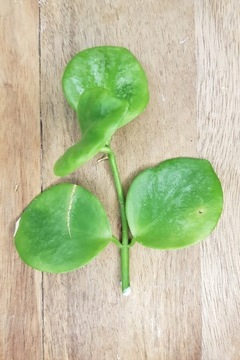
69 209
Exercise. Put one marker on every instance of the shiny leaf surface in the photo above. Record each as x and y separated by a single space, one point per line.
62 229
99 115
112 68
174 204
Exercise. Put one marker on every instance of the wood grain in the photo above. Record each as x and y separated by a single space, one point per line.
218 51
184 304
85 316
20 301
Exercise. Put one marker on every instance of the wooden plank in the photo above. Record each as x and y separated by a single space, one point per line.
218 52
20 301
85 315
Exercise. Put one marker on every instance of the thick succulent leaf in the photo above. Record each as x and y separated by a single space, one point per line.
98 107
109 67
174 204
62 229
99 114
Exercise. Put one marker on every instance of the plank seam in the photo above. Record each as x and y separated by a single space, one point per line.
41 159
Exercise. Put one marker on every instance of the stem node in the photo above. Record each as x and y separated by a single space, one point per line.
125 247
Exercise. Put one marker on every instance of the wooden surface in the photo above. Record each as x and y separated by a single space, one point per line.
185 305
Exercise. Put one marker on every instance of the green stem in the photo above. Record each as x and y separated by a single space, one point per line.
125 246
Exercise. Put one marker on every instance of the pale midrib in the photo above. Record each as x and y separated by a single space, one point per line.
69 209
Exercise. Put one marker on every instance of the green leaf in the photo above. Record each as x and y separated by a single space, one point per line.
112 68
99 114
107 87
174 204
62 229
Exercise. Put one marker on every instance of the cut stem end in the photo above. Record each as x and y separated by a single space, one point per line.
127 291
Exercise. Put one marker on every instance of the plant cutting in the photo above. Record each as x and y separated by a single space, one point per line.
172 205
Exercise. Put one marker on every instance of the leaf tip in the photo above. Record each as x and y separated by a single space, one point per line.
58 169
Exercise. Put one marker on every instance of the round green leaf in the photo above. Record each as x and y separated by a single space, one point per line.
100 114
62 229
174 204
109 67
